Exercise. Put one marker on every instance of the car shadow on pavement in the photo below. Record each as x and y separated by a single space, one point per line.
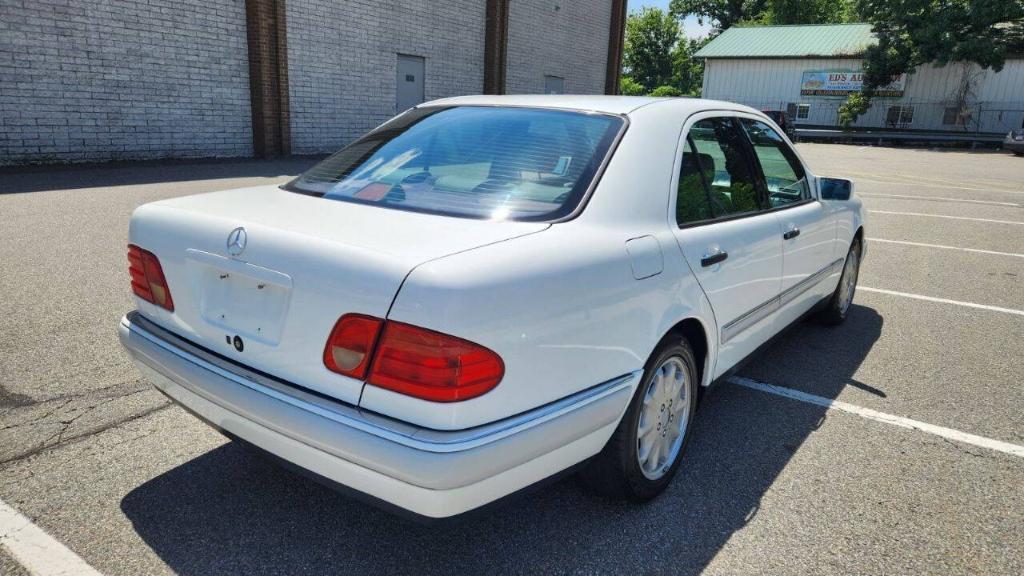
230 511
73 177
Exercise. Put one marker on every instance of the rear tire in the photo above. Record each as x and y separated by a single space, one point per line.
659 417
839 304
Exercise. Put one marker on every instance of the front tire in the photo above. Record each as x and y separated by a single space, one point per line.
647 448
838 306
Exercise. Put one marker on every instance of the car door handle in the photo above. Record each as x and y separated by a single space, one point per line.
712 259
791 234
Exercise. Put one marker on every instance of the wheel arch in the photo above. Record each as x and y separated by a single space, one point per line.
694 331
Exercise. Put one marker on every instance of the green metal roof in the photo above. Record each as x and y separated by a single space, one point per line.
797 41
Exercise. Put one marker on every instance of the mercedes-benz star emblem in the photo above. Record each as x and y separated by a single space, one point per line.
236 241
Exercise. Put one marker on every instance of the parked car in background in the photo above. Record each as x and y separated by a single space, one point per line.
784 121
487 291
1014 142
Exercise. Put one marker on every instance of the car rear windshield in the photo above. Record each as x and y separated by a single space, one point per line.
488 162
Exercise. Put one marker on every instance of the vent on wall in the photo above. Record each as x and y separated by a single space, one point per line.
554 85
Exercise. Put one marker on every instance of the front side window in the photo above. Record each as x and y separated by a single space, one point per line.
471 161
715 157
783 173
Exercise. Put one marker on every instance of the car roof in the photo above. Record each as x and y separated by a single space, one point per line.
588 103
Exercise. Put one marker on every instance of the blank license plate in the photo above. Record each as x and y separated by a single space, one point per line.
239 297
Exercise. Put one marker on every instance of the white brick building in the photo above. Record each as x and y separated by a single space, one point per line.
95 80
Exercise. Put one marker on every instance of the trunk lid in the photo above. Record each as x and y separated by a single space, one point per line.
303 262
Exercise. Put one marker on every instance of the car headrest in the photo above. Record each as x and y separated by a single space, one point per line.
540 155
702 162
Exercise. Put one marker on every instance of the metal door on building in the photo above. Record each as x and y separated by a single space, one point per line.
408 82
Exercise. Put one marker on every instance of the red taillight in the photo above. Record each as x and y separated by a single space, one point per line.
411 360
350 346
148 280
433 366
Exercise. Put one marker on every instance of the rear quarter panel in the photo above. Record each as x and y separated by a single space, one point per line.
561 307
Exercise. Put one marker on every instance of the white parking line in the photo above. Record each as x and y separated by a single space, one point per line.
36 550
943 300
1018 223
938 198
944 247
948 433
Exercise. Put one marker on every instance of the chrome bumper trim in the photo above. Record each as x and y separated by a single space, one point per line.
405 434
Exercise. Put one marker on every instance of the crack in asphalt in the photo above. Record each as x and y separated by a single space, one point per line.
61 441
69 398
66 424
92 392
38 420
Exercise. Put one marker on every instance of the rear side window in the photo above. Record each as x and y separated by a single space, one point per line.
715 157
693 203
471 161
783 173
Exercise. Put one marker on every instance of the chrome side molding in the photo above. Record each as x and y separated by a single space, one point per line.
762 311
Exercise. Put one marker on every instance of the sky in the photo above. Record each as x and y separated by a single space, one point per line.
690 25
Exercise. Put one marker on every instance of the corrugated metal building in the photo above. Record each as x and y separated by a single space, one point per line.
809 71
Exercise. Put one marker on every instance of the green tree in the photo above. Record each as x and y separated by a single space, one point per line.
651 35
912 33
810 12
687 71
658 55
719 13
723 14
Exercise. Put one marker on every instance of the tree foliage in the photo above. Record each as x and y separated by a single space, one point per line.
810 12
719 13
651 35
666 91
687 71
657 56
630 87
723 14
913 33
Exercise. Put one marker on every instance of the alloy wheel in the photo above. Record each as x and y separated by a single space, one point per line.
663 418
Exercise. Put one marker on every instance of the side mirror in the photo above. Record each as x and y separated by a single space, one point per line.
835 188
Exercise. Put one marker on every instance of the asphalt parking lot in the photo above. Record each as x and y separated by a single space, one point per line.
93 456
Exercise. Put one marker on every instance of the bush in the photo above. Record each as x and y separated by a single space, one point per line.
630 87
666 91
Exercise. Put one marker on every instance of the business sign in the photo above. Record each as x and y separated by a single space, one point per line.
841 83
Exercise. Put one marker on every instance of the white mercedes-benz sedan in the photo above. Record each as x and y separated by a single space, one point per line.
488 291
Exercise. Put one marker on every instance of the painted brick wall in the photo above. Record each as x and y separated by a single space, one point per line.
85 80
342 56
564 38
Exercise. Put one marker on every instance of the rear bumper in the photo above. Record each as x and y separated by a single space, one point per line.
427 472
